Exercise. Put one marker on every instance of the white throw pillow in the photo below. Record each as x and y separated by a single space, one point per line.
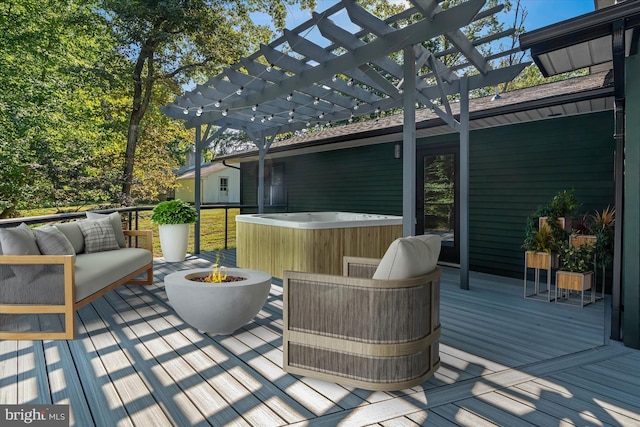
409 257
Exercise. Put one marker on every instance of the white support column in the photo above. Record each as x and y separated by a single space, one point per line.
463 238
409 144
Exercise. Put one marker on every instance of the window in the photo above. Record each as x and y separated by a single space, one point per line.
224 184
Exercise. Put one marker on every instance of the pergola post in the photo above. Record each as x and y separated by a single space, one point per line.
409 144
196 197
463 238
261 155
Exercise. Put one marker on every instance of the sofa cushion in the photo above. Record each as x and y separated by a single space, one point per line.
94 271
74 234
20 241
52 241
98 235
409 257
5 270
116 223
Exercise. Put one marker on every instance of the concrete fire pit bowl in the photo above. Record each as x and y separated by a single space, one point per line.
217 308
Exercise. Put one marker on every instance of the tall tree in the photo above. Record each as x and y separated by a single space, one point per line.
176 41
52 74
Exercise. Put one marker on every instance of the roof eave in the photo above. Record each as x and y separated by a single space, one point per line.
580 29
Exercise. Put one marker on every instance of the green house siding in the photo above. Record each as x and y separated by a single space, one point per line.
631 237
513 170
366 179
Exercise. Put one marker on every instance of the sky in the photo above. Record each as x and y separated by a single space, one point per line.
540 12
547 12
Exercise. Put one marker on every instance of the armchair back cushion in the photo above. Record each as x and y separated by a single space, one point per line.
409 257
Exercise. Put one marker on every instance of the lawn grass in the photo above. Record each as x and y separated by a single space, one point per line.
211 227
211 230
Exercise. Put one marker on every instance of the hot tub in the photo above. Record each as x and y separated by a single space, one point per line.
313 242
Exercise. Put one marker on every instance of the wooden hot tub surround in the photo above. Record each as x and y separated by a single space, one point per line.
274 249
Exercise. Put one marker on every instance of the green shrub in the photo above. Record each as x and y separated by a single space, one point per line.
173 212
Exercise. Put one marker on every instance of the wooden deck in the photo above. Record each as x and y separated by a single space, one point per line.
505 361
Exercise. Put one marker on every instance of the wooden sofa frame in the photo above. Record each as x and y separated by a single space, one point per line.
69 307
383 335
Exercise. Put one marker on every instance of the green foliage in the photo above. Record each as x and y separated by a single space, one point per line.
439 192
540 241
81 76
54 58
173 43
602 226
576 259
564 204
173 212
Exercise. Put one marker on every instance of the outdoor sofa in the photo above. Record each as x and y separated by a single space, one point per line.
48 272
377 327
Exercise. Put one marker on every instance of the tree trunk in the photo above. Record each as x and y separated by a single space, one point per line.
141 96
130 153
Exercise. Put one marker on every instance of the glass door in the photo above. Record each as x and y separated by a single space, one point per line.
437 204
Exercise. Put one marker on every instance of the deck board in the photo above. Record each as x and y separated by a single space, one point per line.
505 360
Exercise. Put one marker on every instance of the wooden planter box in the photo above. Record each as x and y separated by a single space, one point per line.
581 239
568 282
574 281
540 260
564 222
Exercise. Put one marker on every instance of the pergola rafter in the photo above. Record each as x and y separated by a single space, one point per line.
294 83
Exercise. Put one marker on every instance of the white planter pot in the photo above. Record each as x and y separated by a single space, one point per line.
174 239
217 308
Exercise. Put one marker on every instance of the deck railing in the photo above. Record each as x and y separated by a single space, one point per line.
133 215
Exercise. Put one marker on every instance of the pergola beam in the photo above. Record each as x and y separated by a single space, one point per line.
447 20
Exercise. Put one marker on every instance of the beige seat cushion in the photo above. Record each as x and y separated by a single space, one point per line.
409 257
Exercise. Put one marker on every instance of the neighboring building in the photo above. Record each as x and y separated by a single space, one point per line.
219 184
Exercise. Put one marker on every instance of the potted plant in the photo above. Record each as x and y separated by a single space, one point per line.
560 210
539 246
173 218
602 227
581 233
576 267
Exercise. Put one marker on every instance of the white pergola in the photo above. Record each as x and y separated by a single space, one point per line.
296 84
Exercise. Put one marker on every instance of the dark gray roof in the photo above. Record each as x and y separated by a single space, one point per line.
579 95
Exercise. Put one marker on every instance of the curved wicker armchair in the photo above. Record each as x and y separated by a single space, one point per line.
362 332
